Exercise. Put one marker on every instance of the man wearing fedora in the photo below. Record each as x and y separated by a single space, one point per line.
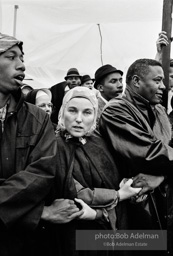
87 81
72 79
108 80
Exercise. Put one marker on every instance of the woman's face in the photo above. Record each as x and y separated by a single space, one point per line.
78 116
44 103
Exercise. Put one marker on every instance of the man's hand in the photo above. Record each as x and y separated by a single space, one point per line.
161 41
146 182
61 211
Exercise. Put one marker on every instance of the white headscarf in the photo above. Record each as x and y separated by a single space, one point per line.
78 92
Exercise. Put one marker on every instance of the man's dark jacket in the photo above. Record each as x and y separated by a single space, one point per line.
57 96
27 169
139 135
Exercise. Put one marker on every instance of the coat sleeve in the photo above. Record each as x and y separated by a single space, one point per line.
97 197
23 194
134 142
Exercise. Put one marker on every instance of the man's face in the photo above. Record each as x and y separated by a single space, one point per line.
111 86
151 87
89 84
73 81
171 78
11 70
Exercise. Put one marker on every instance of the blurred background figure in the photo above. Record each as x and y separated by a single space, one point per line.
87 81
72 79
171 113
41 98
160 43
26 88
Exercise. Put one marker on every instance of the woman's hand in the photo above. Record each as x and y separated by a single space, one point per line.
61 211
88 212
126 191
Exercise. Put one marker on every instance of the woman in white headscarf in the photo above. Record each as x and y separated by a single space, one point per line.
41 98
86 174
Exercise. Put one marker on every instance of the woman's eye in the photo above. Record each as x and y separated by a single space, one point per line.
72 110
88 112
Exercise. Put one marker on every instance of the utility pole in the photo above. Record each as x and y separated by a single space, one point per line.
166 26
15 20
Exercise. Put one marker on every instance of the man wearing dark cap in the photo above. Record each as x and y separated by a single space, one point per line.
72 79
108 80
27 155
87 81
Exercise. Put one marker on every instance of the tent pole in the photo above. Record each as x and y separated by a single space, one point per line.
166 26
15 20
101 42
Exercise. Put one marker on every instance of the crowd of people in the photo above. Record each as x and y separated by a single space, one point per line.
85 154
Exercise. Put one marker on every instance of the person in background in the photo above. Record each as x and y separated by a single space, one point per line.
160 43
41 98
87 81
72 79
27 155
83 175
108 81
26 88
171 115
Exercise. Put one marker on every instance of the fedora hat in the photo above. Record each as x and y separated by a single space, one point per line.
86 78
72 72
104 71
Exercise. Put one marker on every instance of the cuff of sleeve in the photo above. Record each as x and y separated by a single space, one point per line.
102 214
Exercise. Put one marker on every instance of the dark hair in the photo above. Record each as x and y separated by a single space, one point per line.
140 68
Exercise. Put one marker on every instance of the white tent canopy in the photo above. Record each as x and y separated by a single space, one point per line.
60 34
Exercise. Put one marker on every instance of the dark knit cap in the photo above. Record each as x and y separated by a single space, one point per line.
104 71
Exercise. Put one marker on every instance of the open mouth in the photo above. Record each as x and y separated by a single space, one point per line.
19 79
159 96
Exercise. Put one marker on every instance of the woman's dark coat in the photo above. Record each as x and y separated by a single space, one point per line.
94 168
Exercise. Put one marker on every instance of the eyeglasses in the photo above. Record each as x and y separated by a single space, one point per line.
43 105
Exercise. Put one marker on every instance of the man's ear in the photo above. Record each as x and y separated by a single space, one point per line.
135 81
100 87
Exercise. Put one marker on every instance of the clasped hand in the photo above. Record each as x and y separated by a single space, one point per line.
61 211
147 182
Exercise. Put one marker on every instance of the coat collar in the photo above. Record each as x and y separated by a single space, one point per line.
15 102
136 98
141 104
